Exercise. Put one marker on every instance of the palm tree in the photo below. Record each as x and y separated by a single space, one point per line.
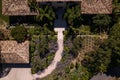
46 15
73 16
116 10
33 5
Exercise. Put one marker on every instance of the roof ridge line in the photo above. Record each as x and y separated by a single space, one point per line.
22 57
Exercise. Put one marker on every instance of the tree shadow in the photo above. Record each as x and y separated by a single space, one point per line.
114 71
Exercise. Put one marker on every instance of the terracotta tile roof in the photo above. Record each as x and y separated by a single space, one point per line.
20 7
96 6
16 7
13 52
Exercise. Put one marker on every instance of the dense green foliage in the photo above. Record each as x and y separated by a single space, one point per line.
115 31
102 21
115 44
98 60
106 55
82 30
74 19
33 5
66 70
86 24
79 73
77 45
46 16
42 49
72 45
19 33
116 10
38 30
2 17
43 41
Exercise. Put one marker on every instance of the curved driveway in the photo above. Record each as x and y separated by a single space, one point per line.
19 74
57 57
25 73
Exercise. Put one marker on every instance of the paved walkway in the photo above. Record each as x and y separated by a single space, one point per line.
57 57
59 27
19 74
25 73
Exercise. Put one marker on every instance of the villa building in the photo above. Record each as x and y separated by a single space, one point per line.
96 6
21 7
13 52
16 7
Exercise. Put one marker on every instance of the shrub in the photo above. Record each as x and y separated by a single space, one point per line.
71 66
67 69
19 33
85 30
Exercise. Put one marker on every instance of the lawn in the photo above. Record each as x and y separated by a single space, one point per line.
5 18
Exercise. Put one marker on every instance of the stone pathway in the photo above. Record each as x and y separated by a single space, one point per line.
57 58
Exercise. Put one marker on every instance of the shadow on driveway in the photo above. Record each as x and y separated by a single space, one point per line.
16 65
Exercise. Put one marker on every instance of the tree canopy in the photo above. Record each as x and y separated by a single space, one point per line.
102 21
19 33
99 59
115 44
115 31
74 19
43 46
116 10
46 15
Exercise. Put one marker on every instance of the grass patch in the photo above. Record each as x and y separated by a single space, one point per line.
2 17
